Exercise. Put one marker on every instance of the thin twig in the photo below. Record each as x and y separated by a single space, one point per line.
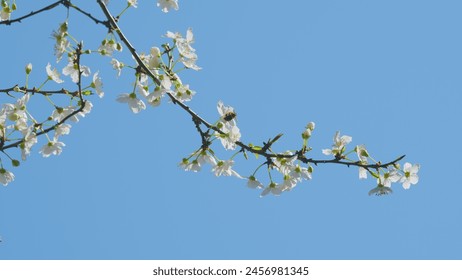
49 7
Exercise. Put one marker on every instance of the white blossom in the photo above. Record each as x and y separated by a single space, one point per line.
187 52
117 65
392 176
204 157
167 5
5 176
272 188
61 113
72 70
300 173
225 168
30 139
154 58
410 175
52 148
62 44
339 144
133 3
184 93
193 166
53 74
97 84
135 104
231 134
253 183
62 129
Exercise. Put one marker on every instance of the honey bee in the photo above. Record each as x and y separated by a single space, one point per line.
229 116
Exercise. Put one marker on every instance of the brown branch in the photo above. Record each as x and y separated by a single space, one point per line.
197 119
33 13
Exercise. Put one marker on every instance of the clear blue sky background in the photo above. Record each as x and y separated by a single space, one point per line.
387 73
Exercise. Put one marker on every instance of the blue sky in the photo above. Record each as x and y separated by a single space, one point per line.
385 73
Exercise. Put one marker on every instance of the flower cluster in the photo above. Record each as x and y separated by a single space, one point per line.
152 91
385 176
17 122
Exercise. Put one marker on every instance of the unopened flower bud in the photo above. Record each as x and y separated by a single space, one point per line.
28 68
310 126
306 134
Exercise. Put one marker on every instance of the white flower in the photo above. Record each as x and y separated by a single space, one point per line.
363 155
62 129
285 164
380 190
183 93
193 166
300 173
133 3
167 5
62 44
392 176
272 188
154 58
253 183
30 139
135 104
154 97
231 135
410 175
6 176
362 173
289 183
73 70
165 82
53 74
187 52
86 108
117 65
52 148
61 113
339 145
225 168
204 157
97 84
16 112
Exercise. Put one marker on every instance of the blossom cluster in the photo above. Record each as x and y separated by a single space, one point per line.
169 82
385 176
18 126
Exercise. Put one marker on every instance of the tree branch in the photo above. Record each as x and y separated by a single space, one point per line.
197 118
33 13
